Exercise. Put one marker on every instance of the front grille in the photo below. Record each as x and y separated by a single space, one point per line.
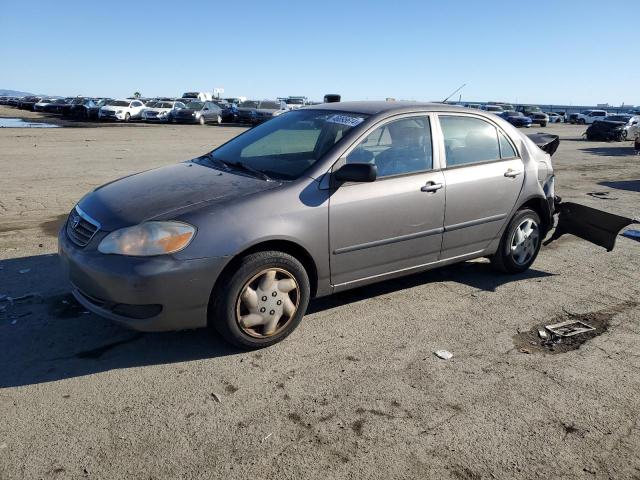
152 114
81 228
108 113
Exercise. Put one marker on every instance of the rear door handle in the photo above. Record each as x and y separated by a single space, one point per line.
431 187
513 173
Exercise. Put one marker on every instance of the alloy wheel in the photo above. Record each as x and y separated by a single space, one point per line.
525 241
267 303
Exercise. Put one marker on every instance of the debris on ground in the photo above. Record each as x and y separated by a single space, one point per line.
569 328
632 234
266 438
443 354
216 397
602 195
543 334
24 270
569 331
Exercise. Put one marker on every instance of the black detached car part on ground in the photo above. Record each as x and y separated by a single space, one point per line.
606 130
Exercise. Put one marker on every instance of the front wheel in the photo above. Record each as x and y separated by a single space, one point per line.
261 301
581 121
543 124
127 117
520 243
219 119
202 120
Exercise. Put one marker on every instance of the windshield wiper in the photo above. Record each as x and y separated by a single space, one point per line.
239 166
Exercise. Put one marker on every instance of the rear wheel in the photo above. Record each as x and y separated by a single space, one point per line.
543 124
520 243
581 121
261 301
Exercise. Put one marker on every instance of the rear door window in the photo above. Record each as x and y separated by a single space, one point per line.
469 140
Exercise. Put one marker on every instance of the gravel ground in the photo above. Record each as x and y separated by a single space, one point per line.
356 391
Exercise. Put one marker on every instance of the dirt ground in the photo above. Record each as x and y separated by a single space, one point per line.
355 391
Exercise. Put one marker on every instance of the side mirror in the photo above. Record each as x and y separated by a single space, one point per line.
356 172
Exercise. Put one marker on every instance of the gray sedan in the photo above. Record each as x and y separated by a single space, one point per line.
313 202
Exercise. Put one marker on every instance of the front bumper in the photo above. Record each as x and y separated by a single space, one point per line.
143 293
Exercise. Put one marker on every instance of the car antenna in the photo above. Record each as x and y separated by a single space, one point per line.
454 92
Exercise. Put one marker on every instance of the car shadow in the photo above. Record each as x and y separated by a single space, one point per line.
46 336
620 150
481 276
629 185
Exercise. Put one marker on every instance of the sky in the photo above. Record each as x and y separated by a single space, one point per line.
576 52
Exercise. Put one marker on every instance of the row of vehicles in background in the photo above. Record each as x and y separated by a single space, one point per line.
192 107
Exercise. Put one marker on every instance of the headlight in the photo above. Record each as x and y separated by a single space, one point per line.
147 239
119 112
198 114
162 114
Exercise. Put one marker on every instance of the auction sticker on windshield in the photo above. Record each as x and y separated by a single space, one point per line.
347 120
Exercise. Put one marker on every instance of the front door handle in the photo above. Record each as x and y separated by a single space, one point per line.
511 173
431 187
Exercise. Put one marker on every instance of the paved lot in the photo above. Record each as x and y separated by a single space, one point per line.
356 391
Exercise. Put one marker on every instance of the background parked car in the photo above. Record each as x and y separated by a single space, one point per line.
199 112
534 113
88 109
554 117
606 130
258 111
161 111
124 110
229 110
201 96
27 103
632 129
43 103
517 119
492 108
587 116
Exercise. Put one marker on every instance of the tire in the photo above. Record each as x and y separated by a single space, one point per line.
623 136
543 124
219 120
202 120
581 121
127 117
229 304
509 258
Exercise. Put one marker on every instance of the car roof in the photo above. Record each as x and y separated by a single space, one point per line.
375 107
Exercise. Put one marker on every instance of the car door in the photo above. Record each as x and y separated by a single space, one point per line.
396 222
483 176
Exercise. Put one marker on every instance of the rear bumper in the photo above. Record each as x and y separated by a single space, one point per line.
143 293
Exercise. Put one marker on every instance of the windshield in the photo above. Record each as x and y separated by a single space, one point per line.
249 104
515 114
195 105
163 105
118 103
295 101
151 104
289 144
532 109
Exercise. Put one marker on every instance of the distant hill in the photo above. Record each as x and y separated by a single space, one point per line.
13 93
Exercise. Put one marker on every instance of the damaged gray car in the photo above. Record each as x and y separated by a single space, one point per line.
314 202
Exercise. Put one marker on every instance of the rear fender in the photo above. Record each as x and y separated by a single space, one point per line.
590 224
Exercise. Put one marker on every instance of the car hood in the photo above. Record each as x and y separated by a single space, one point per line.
154 193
